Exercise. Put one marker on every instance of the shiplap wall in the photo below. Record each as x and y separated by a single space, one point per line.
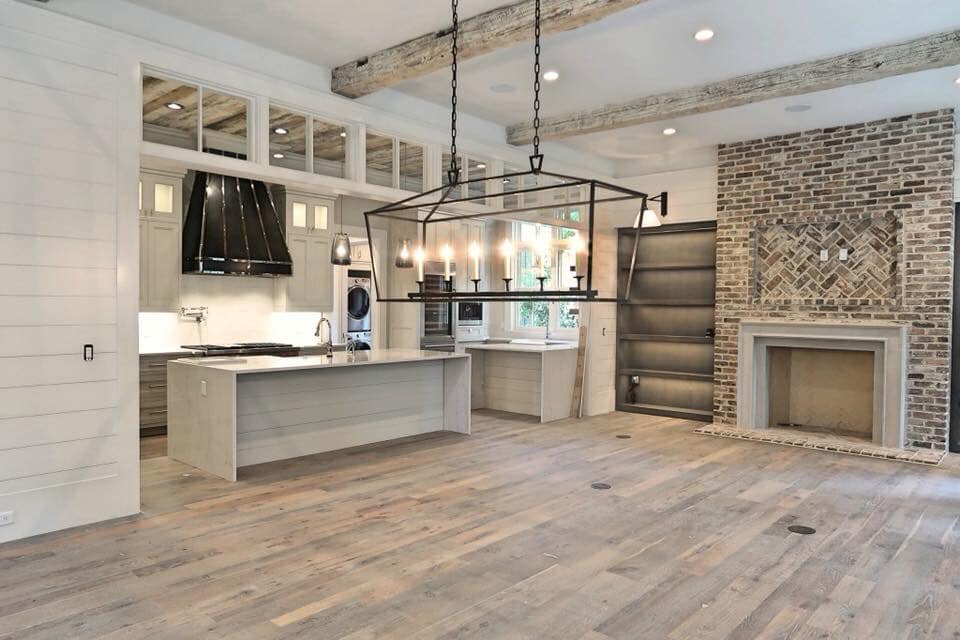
60 462
295 413
511 381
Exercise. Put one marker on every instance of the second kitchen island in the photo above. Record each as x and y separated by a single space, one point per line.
225 413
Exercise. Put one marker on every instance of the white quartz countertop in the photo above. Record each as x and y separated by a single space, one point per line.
521 346
162 349
267 364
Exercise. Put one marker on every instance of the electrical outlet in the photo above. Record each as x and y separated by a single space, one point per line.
824 255
6 517
203 388
844 254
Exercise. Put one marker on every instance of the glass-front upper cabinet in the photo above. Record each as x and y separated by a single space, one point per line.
308 214
173 111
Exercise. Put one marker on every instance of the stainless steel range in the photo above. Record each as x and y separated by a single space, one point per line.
245 349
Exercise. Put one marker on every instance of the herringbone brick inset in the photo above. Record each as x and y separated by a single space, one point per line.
789 266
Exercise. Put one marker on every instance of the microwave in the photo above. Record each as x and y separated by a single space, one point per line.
469 314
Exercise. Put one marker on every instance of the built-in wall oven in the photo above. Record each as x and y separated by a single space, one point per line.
438 331
469 314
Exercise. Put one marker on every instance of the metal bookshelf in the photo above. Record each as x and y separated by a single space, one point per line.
665 322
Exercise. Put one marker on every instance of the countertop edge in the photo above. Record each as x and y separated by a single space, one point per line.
315 362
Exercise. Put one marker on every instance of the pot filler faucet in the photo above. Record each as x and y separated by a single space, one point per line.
328 345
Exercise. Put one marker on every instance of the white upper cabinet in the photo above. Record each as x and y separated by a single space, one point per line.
309 238
161 213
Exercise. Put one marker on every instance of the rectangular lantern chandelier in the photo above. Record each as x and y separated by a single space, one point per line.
537 244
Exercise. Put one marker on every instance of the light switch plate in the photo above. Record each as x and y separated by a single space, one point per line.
6 517
824 255
844 254
203 388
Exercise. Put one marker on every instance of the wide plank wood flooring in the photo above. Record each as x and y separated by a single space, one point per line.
500 535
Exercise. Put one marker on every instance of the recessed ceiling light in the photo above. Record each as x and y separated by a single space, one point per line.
703 35
551 75
669 131
798 108
278 155
280 131
481 166
343 134
502 88
176 106
957 81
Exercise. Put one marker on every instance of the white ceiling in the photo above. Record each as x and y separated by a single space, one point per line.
641 51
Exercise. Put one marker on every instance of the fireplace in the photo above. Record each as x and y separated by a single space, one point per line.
829 391
847 379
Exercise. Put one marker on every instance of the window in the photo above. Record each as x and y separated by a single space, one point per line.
411 167
170 112
224 123
329 149
511 184
288 139
394 163
470 169
545 251
291 137
379 160
173 111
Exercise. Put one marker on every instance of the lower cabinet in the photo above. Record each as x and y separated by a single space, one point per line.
153 392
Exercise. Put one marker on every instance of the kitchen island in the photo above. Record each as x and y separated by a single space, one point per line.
533 377
226 413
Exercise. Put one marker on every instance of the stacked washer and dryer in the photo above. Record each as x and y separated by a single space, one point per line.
358 308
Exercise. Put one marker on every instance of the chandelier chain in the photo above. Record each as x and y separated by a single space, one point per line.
454 172
536 80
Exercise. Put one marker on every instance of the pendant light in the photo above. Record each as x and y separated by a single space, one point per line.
404 255
340 251
502 198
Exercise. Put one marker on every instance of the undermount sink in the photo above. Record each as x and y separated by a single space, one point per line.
537 341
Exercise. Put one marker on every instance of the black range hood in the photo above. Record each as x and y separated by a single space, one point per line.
233 228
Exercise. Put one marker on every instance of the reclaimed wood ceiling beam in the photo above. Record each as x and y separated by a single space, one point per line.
495 29
930 52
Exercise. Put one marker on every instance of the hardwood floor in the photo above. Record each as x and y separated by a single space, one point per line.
500 535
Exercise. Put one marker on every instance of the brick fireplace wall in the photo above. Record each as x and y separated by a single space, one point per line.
882 189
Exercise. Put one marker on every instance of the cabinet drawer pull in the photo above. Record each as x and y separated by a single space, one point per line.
157 365
156 412
161 385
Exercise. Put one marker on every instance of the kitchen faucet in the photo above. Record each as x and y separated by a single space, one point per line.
328 345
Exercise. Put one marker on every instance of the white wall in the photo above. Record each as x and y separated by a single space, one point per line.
239 310
68 454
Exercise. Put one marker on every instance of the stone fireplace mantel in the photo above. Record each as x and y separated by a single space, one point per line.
887 341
